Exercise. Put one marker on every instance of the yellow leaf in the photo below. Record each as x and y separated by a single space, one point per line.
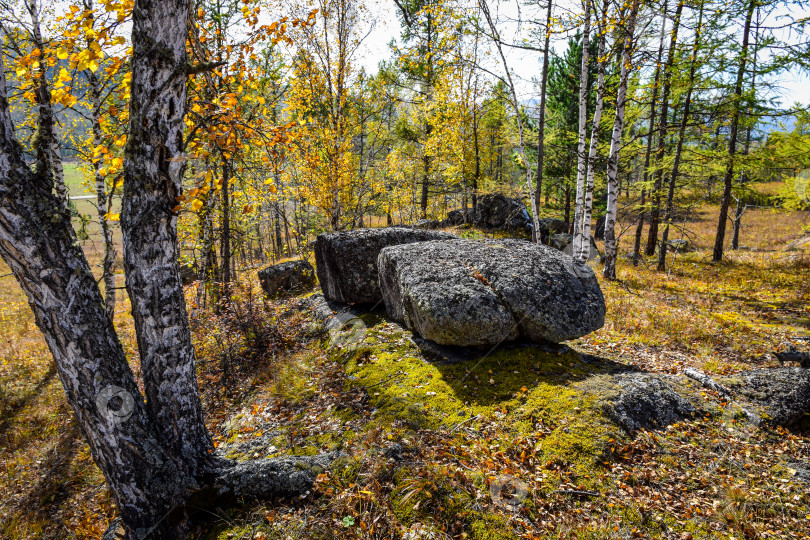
196 205
61 53
112 216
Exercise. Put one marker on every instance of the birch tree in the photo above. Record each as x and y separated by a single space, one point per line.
587 199
616 141
582 161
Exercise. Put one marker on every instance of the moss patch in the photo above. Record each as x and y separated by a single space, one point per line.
521 386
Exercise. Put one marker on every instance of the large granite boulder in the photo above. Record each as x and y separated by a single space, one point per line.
346 261
479 293
287 277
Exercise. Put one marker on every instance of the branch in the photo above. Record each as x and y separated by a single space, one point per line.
193 69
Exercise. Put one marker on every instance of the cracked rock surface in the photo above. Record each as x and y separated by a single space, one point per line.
481 293
346 261
781 394
647 401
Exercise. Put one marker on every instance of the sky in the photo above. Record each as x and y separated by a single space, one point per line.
795 86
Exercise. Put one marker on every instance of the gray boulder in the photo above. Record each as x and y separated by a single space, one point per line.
599 229
428 224
346 261
548 227
782 394
188 273
647 401
496 211
458 217
287 277
560 240
478 293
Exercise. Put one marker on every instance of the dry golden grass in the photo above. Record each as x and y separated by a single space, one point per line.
720 317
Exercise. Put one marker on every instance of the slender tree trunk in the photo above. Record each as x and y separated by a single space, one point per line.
46 142
741 207
477 176
541 121
103 200
516 106
615 144
650 137
662 249
587 203
582 159
225 240
652 237
717 254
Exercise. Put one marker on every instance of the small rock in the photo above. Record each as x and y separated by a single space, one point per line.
647 401
782 393
560 240
287 277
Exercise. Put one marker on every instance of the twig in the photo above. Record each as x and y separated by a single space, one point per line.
577 492
470 419
385 381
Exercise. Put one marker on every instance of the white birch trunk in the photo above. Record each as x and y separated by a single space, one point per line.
615 145
587 203
582 163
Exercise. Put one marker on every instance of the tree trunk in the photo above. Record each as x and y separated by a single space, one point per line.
41 248
717 254
615 144
740 210
516 105
541 120
650 136
225 240
587 204
652 237
477 176
103 200
662 249
153 172
582 160
46 141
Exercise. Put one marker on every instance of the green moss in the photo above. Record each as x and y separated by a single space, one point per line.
519 385
490 527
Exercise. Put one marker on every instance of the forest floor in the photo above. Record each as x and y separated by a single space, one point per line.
430 445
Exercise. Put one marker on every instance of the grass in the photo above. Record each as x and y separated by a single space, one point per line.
697 478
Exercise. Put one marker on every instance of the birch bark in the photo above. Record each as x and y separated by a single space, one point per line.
582 159
616 142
